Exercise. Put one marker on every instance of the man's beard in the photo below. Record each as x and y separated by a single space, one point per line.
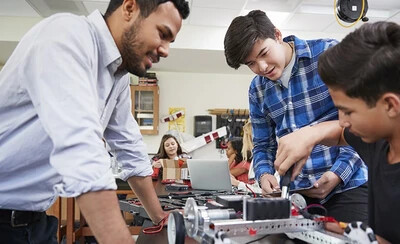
131 50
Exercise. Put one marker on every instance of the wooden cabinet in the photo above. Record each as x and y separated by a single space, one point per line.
145 106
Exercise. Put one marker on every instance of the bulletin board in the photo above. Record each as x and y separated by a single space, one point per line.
180 123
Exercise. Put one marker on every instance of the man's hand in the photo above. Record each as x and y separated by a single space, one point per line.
269 184
166 214
323 186
294 148
144 190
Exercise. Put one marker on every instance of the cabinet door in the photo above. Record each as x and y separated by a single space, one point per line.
145 108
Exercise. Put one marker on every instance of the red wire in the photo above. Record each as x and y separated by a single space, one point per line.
322 218
326 219
157 228
254 194
314 205
136 202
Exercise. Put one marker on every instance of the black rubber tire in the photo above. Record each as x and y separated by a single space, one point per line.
180 227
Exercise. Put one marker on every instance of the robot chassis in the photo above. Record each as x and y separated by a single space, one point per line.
215 226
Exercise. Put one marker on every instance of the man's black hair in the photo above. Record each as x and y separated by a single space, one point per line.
148 6
243 32
366 63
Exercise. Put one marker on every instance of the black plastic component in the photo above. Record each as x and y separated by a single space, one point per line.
202 124
176 187
169 207
364 227
207 239
347 230
285 180
371 237
354 225
306 214
350 10
235 202
220 236
232 214
267 208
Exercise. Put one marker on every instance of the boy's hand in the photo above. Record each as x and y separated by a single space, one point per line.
323 186
382 240
269 184
294 148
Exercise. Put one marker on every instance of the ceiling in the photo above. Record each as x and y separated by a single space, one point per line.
199 45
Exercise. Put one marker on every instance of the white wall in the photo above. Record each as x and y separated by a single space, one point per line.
198 92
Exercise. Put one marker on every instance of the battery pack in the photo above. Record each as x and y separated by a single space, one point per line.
231 201
266 208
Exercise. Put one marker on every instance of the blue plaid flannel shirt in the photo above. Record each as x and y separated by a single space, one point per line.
276 111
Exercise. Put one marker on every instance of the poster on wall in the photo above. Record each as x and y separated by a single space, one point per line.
178 124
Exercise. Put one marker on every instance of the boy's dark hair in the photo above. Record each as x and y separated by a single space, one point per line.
243 32
366 63
148 6
162 154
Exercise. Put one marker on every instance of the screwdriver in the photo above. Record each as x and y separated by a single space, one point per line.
285 183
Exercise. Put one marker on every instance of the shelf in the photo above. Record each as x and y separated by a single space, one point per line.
142 115
145 106
143 111
146 127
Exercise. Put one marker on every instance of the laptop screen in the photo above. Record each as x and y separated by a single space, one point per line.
209 174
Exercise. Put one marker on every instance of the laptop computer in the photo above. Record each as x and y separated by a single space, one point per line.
209 174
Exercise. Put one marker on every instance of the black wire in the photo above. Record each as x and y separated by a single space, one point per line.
317 206
259 239
306 214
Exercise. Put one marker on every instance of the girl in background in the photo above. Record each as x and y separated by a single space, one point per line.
239 168
169 149
251 184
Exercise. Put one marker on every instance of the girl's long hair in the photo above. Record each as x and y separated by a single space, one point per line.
162 154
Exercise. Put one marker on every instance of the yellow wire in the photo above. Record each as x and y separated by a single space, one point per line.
348 26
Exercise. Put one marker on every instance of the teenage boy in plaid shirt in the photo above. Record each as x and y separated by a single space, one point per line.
288 95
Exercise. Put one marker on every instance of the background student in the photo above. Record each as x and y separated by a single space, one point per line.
363 76
238 167
169 149
251 185
286 95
